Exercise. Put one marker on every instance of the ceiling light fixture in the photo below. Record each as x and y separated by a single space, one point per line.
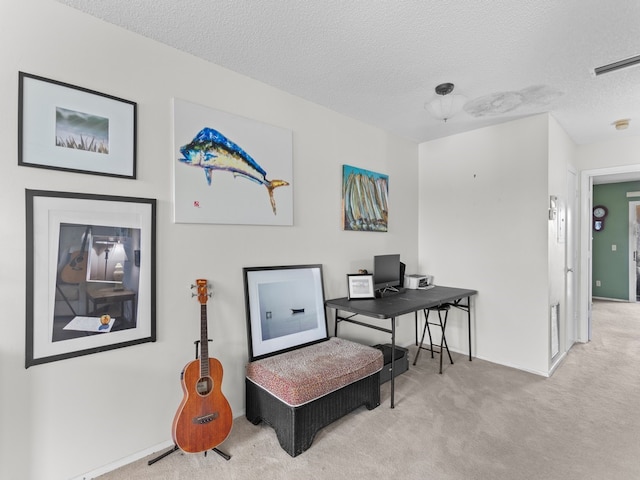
620 64
445 104
621 124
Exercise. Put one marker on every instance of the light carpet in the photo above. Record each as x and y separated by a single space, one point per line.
478 420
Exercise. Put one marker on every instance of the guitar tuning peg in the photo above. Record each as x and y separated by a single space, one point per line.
193 286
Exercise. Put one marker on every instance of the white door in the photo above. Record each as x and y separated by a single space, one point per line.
634 251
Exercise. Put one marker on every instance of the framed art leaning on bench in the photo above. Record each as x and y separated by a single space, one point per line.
298 380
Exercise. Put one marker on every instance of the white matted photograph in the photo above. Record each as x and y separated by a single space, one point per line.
75 129
284 307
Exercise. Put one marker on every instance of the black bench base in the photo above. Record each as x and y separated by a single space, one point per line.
297 426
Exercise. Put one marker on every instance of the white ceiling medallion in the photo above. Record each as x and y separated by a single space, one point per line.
622 124
445 104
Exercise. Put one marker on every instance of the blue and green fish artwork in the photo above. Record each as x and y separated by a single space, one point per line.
211 150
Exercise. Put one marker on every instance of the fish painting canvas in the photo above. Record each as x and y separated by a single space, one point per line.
229 169
365 204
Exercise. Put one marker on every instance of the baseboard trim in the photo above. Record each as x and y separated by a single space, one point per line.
557 363
124 461
517 367
607 299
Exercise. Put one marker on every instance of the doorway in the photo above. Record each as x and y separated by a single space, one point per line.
634 251
610 175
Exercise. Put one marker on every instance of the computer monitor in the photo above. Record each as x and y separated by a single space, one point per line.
386 272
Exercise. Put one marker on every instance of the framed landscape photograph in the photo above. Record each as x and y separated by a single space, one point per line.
90 271
360 286
74 129
284 307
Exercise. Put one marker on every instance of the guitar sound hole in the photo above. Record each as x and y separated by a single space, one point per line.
204 386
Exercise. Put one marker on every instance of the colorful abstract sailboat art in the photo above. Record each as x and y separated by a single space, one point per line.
364 200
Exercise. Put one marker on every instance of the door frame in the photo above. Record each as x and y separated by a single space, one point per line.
571 261
633 250
616 174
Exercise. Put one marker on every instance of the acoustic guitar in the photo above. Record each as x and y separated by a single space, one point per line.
204 419
75 269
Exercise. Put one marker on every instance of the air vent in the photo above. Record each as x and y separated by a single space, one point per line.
620 64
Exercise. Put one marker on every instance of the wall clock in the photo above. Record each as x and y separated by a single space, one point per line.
599 214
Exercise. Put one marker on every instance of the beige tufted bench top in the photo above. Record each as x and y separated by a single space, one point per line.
300 376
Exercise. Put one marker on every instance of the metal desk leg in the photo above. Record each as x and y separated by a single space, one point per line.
466 308
469 323
393 359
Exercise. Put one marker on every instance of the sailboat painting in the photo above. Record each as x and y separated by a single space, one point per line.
365 195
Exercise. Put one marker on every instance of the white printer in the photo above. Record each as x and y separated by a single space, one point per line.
414 282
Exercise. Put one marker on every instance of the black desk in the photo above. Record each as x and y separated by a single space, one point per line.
109 296
411 301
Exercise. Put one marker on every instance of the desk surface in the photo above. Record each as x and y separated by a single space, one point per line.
402 303
105 295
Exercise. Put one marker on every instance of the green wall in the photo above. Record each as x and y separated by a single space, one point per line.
610 267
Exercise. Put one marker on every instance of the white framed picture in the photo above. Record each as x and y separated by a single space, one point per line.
285 308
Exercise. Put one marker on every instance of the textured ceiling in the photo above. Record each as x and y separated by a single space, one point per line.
379 60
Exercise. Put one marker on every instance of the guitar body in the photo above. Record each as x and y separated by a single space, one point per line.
75 269
204 418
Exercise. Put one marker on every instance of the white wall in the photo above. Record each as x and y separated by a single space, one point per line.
614 153
62 419
483 225
561 157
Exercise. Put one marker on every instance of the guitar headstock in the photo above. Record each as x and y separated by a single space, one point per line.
203 293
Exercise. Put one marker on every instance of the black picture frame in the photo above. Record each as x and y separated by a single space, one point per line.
75 129
67 313
360 286
284 307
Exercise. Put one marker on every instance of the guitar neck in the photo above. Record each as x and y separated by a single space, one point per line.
204 342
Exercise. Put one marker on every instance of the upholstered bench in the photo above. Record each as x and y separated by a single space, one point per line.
301 391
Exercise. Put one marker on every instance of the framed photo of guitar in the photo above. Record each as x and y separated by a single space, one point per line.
90 274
